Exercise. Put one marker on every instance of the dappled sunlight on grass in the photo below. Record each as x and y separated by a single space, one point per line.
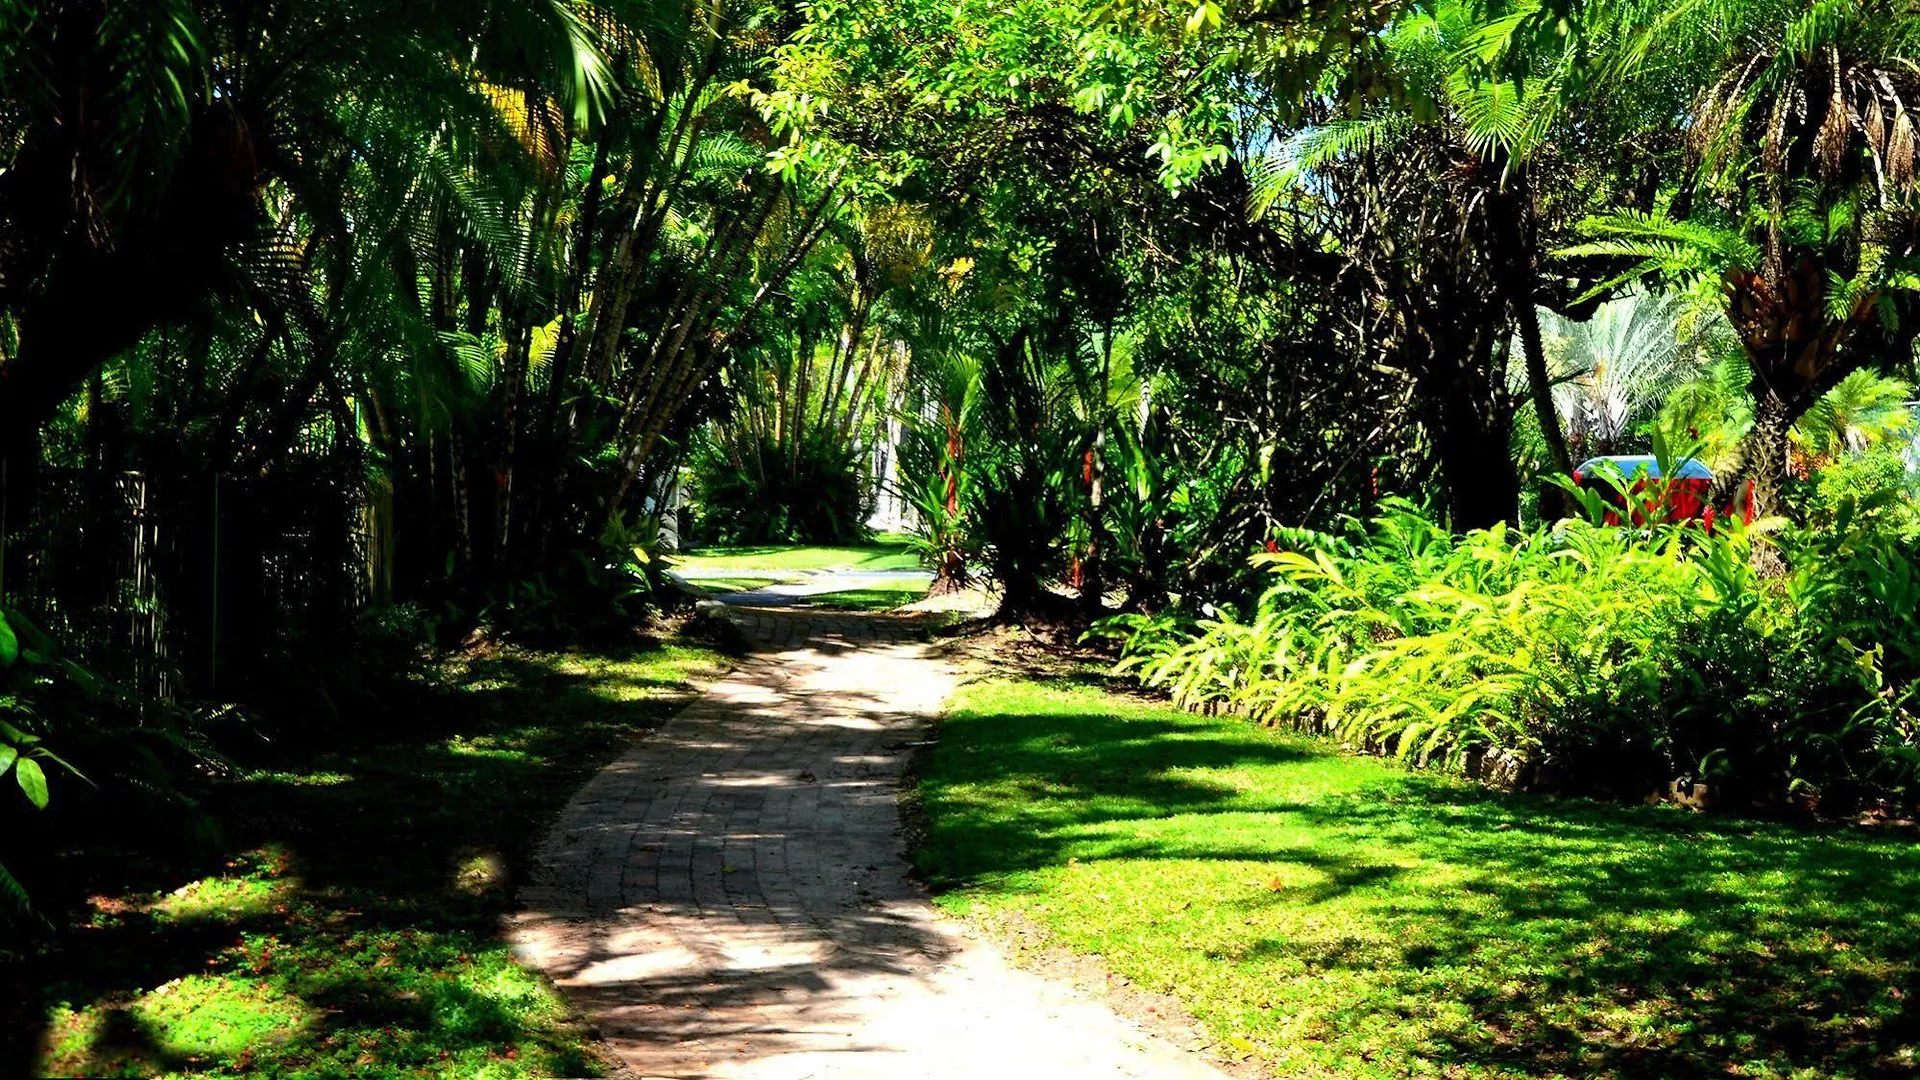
357 933
1333 915
190 1022
226 899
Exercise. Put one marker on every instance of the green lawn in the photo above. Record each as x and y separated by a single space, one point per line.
1336 916
886 553
719 586
352 928
879 598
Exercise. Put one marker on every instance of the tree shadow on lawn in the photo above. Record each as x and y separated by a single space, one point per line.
1100 769
1486 931
388 861
1637 941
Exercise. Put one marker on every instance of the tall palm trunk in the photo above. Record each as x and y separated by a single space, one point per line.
1516 262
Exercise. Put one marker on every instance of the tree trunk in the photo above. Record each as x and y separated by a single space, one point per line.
1468 417
1516 264
1766 469
1766 451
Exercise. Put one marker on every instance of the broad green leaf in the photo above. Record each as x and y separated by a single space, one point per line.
33 782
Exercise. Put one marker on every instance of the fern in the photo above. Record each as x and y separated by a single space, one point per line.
1562 653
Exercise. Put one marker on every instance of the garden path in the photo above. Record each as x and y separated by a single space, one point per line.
730 899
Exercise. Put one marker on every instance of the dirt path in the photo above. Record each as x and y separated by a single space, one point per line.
729 899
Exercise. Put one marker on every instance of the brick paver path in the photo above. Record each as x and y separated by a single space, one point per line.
729 899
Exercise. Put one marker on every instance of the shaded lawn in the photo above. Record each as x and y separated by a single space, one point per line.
353 928
1330 915
886 553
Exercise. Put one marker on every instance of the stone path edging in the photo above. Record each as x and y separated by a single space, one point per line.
729 898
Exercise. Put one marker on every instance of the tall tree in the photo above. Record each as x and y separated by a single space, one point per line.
1799 209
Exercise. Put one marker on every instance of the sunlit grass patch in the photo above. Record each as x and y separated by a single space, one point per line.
1331 915
196 1020
317 778
887 553
222 899
721 586
358 919
202 1016
879 598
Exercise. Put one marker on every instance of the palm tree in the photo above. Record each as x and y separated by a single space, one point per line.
156 155
1612 371
1865 410
1484 118
1801 214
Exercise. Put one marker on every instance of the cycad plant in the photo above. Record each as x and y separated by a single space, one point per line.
1713 410
1864 411
1805 150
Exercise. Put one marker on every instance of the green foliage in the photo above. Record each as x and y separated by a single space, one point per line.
939 476
1579 656
138 749
345 918
750 489
1862 411
1883 477
588 593
942 535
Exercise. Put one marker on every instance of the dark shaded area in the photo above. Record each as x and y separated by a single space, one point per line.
388 860
1748 945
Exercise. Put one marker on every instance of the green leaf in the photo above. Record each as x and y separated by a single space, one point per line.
33 782
9 645
14 895
7 754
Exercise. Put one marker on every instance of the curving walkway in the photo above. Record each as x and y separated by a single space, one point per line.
729 899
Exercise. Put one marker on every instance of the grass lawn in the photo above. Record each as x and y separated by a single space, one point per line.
351 926
720 586
886 553
1337 916
878 598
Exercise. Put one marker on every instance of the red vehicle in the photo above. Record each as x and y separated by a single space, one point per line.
1685 495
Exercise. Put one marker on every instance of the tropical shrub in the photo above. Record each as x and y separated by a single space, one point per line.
749 489
1880 477
80 757
587 593
1577 656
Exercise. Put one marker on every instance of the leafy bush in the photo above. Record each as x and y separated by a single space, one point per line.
750 489
79 758
1879 476
1577 656
588 592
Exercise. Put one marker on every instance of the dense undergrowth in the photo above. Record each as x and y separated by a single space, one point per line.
1577 656
330 905
751 490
